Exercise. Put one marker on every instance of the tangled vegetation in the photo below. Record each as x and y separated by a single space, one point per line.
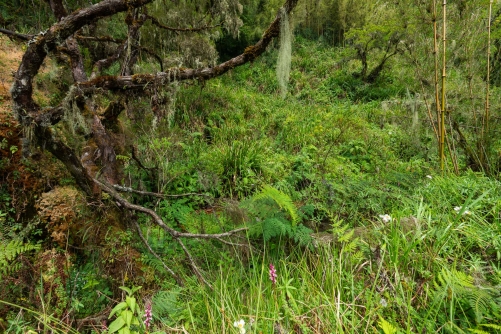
159 175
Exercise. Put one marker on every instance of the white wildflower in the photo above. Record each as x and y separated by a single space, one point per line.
429 176
385 218
458 209
240 325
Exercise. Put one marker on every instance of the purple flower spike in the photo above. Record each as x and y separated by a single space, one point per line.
148 316
273 274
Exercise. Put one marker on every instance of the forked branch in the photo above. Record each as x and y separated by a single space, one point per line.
174 234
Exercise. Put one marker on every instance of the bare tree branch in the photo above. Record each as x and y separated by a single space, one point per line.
159 221
16 35
148 193
145 242
175 234
194 265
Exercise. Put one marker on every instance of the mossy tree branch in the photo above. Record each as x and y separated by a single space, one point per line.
81 94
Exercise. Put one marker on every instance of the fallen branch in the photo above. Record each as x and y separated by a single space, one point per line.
148 193
193 264
145 242
16 35
175 234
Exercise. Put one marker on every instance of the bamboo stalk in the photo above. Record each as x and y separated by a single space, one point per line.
442 111
435 54
485 123
440 133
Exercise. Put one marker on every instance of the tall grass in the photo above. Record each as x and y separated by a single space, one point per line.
433 271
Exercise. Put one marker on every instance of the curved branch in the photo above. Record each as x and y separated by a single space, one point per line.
159 221
66 155
44 43
154 55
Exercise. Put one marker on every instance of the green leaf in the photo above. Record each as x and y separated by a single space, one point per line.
124 330
116 325
281 199
126 289
119 307
491 326
131 301
135 289
127 316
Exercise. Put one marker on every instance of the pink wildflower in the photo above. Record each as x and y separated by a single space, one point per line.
273 274
148 316
103 326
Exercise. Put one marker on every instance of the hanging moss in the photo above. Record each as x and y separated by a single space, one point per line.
284 53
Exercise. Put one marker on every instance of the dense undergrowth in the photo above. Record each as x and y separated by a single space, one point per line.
339 187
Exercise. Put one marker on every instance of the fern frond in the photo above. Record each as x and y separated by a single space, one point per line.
283 201
153 262
357 257
302 235
274 227
351 246
166 303
386 326
461 286
478 331
8 253
345 237
498 327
